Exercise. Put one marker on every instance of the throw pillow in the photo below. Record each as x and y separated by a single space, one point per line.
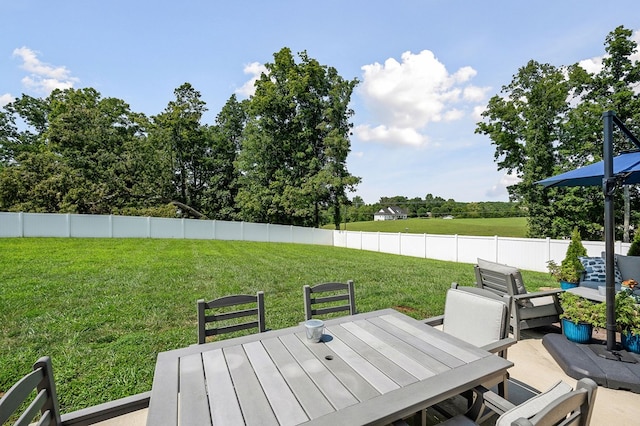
594 269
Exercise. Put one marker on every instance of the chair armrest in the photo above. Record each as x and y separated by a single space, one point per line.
107 410
433 321
544 293
487 399
496 403
499 345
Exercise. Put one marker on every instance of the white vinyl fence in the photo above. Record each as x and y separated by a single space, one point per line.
95 226
524 253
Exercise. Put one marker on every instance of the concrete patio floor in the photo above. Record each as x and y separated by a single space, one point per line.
537 368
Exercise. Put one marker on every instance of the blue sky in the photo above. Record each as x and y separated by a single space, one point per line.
427 68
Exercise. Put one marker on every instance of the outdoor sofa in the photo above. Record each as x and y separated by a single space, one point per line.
593 276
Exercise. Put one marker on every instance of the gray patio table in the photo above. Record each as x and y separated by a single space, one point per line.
370 368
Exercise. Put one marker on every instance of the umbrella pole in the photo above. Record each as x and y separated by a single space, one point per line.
608 188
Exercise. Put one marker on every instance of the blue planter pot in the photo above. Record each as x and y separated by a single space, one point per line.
631 342
578 333
566 285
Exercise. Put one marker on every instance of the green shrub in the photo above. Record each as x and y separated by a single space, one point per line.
577 309
571 267
634 248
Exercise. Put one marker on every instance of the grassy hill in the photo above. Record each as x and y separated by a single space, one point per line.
503 227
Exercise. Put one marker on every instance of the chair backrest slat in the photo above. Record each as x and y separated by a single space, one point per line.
329 299
46 419
217 319
19 393
33 409
45 401
317 297
224 316
231 328
496 282
232 300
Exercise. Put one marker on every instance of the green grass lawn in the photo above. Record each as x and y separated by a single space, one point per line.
504 227
104 308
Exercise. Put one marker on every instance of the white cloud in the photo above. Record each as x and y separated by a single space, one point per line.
43 78
406 96
453 115
391 135
45 85
5 99
594 65
475 94
255 69
500 188
477 112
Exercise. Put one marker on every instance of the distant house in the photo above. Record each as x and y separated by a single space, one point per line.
390 213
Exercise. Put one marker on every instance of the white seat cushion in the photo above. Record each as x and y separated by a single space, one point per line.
533 406
474 318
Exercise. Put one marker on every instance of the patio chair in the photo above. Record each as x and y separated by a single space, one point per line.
528 310
559 405
41 407
479 317
321 299
226 318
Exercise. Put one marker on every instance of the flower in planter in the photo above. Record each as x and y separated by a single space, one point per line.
630 284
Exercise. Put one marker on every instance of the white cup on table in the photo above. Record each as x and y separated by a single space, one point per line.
314 328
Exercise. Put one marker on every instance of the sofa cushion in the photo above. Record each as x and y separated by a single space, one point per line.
629 267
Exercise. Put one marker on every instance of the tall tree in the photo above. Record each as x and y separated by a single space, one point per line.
293 158
613 87
226 141
525 125
179 132
549 123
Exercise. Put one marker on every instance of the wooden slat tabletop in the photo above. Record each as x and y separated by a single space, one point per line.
370 368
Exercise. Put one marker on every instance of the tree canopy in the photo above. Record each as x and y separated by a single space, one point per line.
296 141
548 120
277 157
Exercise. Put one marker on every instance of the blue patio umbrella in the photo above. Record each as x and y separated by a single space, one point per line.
626 171
610 173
